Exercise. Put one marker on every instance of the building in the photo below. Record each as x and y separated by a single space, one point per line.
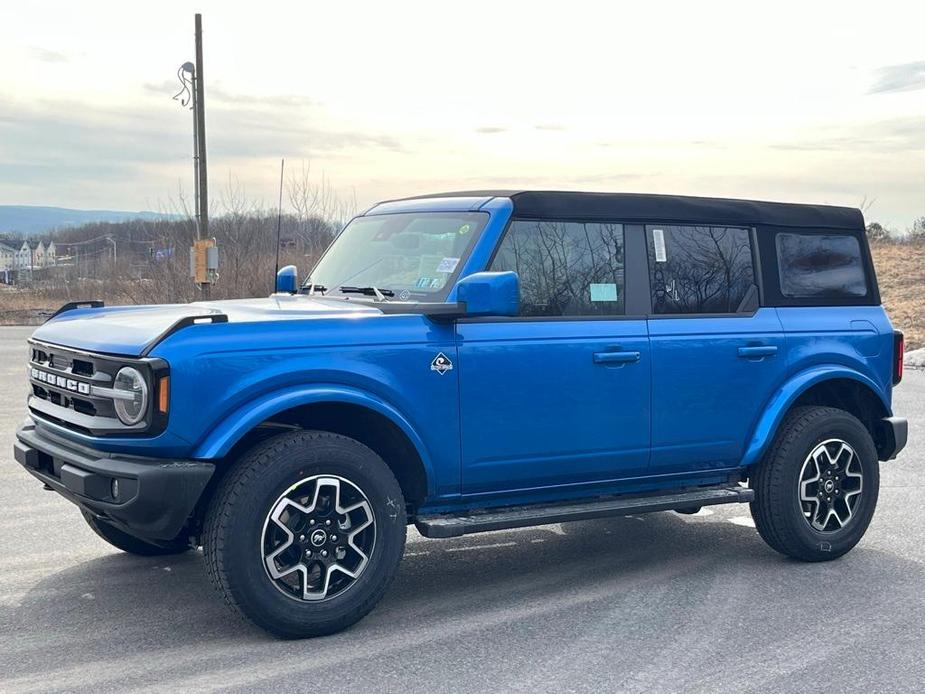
28 256
23 260
51 255
8 255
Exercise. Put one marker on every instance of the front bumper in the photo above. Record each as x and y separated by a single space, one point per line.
893 434
155 496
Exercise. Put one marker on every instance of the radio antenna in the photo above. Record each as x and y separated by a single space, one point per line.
279 218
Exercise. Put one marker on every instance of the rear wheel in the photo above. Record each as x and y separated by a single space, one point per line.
817 488
305 534
131 544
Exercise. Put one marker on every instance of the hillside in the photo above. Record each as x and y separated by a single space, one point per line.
30 220
901 275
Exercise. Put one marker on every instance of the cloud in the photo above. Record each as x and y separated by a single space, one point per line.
273 100
893 135
899 78
65 146
218 95
490 130
47 56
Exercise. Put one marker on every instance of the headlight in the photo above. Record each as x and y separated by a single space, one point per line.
131 395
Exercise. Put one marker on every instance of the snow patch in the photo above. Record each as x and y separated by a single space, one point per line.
915 359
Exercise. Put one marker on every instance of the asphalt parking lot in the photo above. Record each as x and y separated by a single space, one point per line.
654 603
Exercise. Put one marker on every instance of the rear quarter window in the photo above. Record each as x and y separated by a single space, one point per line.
820 266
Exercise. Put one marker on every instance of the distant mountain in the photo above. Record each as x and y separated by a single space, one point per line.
29 219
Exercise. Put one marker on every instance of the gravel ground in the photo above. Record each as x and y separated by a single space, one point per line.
662 602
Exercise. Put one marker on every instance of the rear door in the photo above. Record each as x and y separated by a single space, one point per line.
560 394
717 356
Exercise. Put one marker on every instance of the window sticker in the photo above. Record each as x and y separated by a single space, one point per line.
448 265
658 240
604 292
436 283
464 229
422 283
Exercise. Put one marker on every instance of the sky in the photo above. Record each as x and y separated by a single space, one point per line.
809 101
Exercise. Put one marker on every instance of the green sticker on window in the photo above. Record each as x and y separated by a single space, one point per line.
603 292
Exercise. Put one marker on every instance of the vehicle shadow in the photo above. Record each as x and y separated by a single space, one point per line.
118 619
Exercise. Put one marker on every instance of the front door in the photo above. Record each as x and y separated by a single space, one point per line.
560 394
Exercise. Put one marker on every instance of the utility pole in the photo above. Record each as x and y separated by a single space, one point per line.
199 110
113 242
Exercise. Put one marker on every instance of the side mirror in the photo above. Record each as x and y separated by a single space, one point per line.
490 294
287 280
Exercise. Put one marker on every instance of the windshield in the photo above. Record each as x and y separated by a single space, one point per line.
407 257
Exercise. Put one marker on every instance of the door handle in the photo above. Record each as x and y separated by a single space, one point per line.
615 357
757 351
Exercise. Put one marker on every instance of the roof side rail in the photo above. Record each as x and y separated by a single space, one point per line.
184 322
71 305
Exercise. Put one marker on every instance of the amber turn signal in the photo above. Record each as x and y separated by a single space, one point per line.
163 394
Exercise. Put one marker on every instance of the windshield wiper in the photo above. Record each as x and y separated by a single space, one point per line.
312 288
380 294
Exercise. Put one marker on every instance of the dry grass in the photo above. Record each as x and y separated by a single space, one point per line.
22 307
901 275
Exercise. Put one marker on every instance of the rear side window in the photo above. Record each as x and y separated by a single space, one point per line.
820 266
700 269
565 268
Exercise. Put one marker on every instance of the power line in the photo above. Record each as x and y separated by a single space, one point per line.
82 243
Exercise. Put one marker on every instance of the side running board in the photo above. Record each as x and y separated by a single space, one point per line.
455 525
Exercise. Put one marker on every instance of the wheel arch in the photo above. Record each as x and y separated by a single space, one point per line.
354 413
835 386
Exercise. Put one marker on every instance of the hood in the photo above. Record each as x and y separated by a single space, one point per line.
129 330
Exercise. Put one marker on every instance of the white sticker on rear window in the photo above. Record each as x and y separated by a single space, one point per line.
658 240
448 265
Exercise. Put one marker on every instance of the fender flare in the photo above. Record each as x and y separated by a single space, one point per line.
780 403
236 424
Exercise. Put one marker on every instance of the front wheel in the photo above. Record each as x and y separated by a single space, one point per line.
816 490
305 534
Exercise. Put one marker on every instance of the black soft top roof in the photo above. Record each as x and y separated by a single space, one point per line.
668 208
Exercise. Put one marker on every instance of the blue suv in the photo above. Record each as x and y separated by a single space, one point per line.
476 361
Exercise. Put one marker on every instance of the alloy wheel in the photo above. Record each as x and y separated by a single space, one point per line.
831 484
318 537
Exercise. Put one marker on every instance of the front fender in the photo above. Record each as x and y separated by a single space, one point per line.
224 436
787 394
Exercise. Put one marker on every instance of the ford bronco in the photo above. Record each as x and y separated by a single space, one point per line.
477 361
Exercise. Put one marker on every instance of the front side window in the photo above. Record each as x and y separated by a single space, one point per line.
820 266
699 269
565 268
410 256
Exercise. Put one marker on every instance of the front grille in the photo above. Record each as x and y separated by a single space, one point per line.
70 389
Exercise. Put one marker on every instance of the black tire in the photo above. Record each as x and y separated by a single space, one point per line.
777 509
237 518
131 544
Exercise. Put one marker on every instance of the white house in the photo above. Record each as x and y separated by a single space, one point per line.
23 260
38 255
7 256
30 256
